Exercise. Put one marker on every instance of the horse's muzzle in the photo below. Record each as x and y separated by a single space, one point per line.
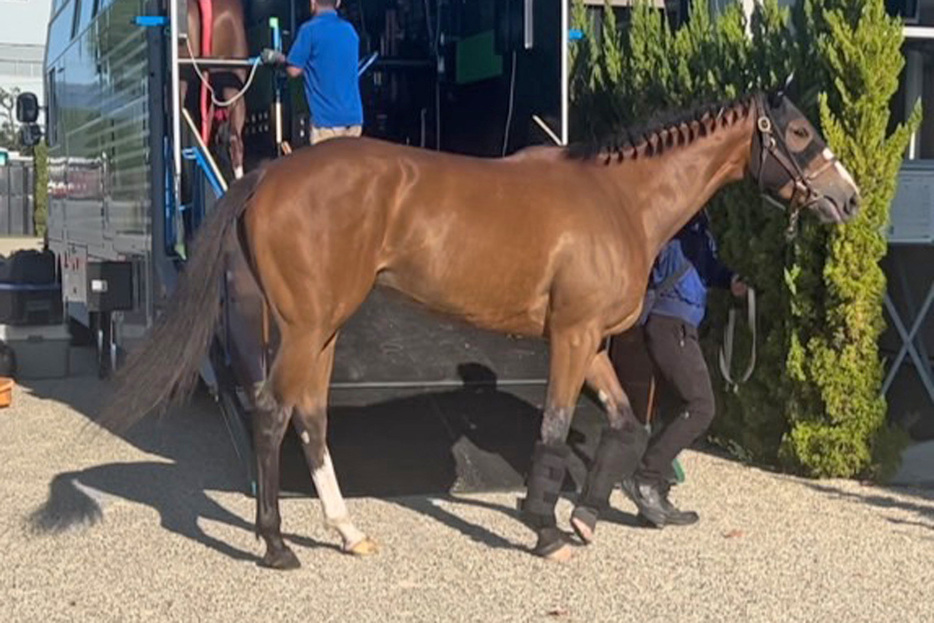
837 210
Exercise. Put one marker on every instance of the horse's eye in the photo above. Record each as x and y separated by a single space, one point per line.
800 132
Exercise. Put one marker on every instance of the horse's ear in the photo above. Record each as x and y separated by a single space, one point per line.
790 88
775 99
787 90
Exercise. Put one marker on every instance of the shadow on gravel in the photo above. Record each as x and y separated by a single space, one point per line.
429 444
196 457
878 498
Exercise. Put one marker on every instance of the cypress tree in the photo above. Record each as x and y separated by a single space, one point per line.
814 403
836 413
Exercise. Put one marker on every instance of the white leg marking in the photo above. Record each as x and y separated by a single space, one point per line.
238 172
332 502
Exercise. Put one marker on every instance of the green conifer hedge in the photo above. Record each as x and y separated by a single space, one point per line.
813 404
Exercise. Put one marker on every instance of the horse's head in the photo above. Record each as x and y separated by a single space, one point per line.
791 162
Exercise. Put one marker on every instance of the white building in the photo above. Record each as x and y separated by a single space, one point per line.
23 28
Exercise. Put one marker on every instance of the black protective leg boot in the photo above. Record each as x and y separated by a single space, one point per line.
549 465
609 464
617 456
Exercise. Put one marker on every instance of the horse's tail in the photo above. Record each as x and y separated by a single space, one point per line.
68 506
164 369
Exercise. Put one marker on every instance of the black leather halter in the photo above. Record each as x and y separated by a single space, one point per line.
772 144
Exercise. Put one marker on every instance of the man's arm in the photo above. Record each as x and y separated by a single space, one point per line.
724 277
701 250
274 57
300 53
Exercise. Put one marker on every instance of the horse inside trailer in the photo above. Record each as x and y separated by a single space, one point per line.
481 78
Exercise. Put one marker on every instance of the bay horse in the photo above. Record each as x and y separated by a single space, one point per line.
216 28
552 242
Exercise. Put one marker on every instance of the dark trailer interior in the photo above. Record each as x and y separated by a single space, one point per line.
457 75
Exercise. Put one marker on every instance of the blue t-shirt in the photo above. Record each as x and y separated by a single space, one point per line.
327 49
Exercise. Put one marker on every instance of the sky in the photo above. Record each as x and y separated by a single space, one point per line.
24 21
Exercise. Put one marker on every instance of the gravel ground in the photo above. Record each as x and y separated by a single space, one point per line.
168 537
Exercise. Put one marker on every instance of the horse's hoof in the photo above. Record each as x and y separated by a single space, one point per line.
553 545
364 547
562 554
584 523
281 559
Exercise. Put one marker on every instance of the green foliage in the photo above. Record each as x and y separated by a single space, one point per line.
9 138
41 189
814 402
836 413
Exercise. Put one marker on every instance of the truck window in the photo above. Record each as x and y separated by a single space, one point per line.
76 18
87 8
60 32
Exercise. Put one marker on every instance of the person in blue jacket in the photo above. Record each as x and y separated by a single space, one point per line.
677 300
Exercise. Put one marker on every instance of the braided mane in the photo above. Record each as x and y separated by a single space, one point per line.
669 130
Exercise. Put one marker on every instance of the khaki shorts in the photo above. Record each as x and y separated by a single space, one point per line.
322 134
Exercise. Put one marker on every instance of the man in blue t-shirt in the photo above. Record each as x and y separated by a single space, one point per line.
325 54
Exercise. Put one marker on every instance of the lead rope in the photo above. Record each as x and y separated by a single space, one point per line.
792 231
726 350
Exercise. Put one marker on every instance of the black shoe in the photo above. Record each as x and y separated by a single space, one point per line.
676 516
654 506
628 486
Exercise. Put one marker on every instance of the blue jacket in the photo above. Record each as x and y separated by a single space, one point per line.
327 49
687 300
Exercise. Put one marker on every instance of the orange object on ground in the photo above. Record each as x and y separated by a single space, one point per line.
6 391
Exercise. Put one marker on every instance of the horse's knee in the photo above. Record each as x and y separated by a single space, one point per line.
269 424
263 397
556 423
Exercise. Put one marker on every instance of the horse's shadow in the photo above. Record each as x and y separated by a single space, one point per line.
200 459
401 449
922 510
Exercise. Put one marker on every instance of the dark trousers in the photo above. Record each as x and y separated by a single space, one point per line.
676 355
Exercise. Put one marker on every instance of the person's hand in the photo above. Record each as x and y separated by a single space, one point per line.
738 287
272 57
